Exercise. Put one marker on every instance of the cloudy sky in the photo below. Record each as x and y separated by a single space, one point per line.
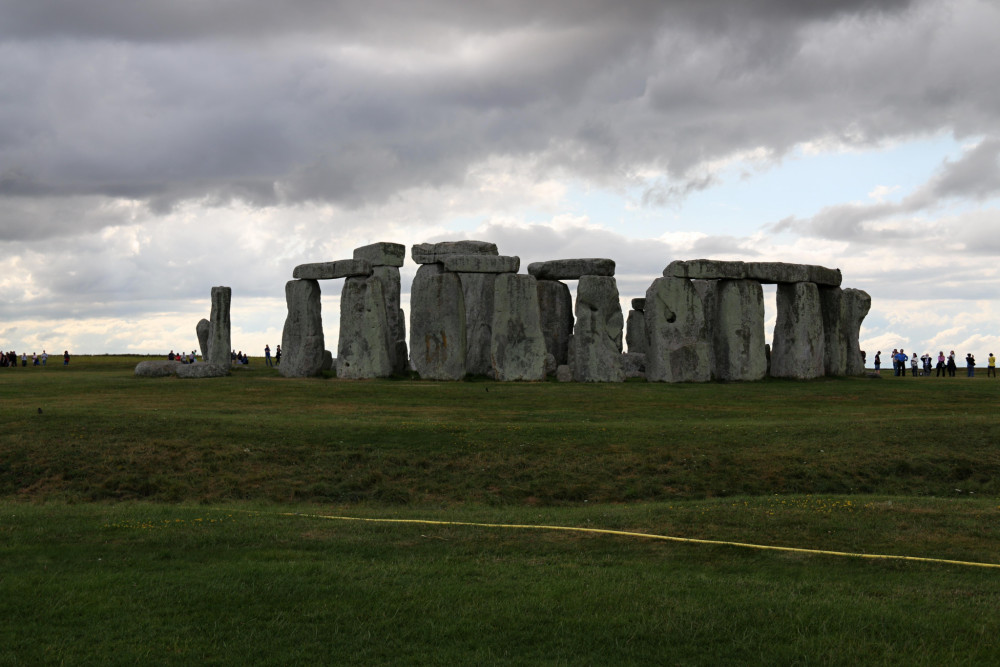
149 151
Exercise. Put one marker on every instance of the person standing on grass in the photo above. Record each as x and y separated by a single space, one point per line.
267 355
878 363
913 365
991 368
45 357
926 358
895 361
277 356
951 364
940 364
970 364
66 358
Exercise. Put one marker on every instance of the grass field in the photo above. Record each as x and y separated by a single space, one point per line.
179 521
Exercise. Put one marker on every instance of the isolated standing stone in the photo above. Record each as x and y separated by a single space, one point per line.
477 293
518 347
395 320
635 332
679 349
202 329
797 349
555 307
857 303
219 341
737 328
437 324
596 345
302 342
363 349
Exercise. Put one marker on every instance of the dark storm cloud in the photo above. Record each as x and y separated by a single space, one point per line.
352 103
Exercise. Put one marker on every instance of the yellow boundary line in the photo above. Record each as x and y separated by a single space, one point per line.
625 533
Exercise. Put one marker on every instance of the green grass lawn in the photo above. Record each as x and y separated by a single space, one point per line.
147 520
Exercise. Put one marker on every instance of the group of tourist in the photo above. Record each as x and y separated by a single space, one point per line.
267 355
922 365
236 357
9 359
182 357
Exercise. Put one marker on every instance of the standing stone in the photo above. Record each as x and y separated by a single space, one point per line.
202 329
596 345
363 350
395 320
477 293
831 301
737 328
857 303
797 349
678 338
518 347
219 341
635 332
437 324
555 306
302 342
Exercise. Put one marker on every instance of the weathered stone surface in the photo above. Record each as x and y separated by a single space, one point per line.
634 364
363 349
157 369
843 312
555 306
481 263
639 304
705 269
202 329
596 344
550 365
202 370
477 293
635 332
780 272
429 253
219 341
564 373
679 348
797 349
857 304
329 361
302 341
395 319
762 272
518 347
737 327
572 269
342 268
382 254
437 324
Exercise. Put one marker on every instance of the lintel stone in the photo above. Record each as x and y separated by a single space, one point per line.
382 254
481 263
572 269
342 268
432 253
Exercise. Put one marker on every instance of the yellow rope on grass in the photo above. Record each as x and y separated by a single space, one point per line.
668 538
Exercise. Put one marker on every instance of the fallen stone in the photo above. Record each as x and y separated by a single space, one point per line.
564 373
202 330
571 269
797 349
550 365
481 263
477 294
437 324
635 332
363 349
188 371
430 253
555 306
518 347
679 347
382 254
596 344
302 341
219 341
157 369
342 268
